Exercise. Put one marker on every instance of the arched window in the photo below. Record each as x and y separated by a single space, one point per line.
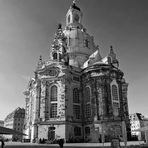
87 94
115 92
76 111
77 131
53 110
69 19
87 102
76 18
55 56
87 131
53 94
87 111
76 95
86 42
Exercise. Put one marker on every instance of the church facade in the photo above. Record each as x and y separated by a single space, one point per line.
76 95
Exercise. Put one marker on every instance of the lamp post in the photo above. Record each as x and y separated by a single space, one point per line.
103 134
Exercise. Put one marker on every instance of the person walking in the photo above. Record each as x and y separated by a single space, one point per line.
61 142
2 144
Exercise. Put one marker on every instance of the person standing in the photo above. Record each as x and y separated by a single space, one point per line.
2 143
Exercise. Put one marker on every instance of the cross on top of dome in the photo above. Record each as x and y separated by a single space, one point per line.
74 1
74 5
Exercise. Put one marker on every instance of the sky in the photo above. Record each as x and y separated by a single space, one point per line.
27 28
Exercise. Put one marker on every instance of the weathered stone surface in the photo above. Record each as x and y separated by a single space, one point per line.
74 64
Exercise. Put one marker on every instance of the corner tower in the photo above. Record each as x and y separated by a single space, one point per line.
79 43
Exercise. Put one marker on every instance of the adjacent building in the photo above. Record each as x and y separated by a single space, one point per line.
15 120
77 94
138 122
1 123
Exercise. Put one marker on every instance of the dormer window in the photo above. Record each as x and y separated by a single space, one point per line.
54 56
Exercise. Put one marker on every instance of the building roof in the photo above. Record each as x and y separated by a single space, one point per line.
4 130
138 116
12 114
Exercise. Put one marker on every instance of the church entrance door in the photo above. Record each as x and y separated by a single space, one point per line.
51 134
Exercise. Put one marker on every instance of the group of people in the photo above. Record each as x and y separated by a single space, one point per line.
59 141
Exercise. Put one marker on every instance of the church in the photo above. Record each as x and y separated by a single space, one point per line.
77 94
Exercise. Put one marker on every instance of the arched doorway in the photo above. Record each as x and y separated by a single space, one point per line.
51 133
